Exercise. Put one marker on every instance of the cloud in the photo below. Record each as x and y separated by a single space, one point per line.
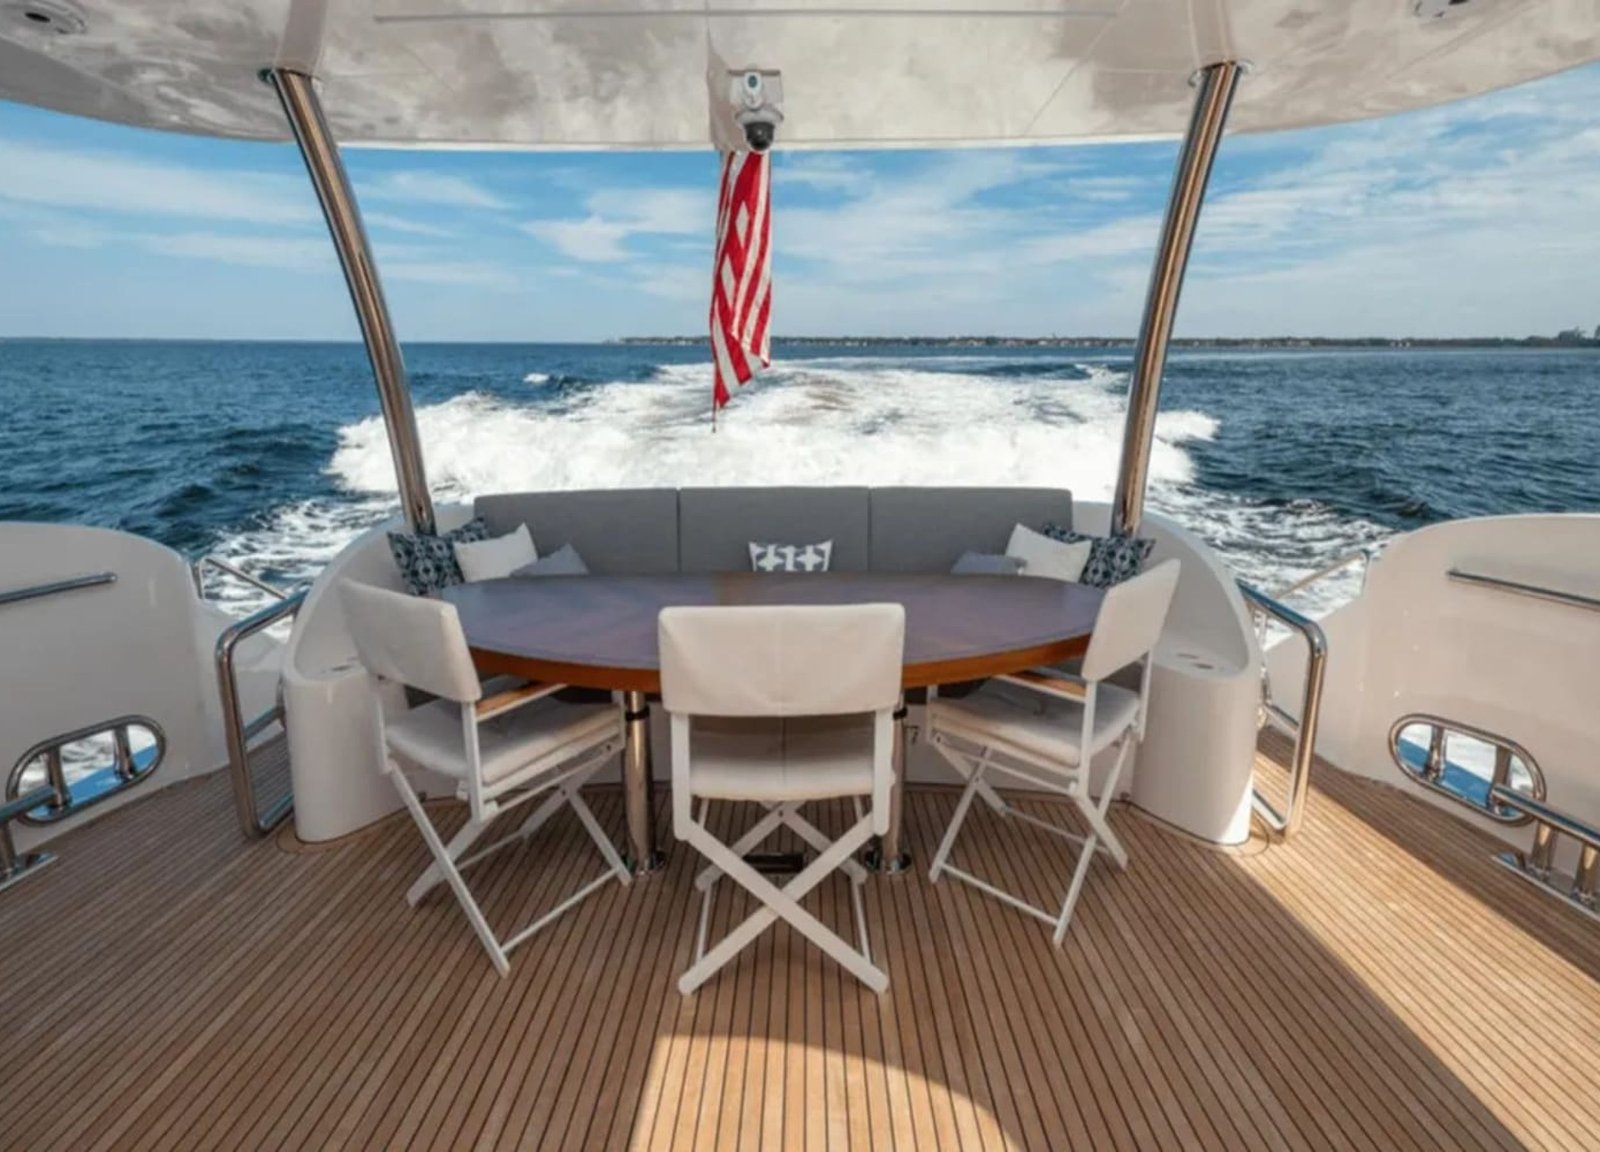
593 240
1475 217
617 215
459 273
300 254
303 254
386 221
421 186
124 185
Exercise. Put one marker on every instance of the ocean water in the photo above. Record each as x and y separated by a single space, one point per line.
273 455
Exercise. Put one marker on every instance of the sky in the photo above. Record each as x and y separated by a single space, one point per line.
1471 219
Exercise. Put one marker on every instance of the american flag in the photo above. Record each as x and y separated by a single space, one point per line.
741 279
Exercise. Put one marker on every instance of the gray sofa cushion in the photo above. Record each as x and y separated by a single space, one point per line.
928 529
564 561
628 532
986 564
716 525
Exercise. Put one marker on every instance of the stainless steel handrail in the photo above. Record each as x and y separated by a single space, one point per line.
1518 588
237 731
1365 556
1536 809
55 587
1287 823
1581 890
197 572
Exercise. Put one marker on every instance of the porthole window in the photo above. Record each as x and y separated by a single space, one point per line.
88 765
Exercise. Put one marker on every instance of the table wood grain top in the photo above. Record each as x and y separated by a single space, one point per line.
600 631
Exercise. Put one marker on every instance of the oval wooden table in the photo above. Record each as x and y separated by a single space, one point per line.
600 632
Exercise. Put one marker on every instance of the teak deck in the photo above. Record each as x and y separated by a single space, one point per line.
1378 983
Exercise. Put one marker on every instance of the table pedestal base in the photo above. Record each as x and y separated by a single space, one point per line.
638 788
889 855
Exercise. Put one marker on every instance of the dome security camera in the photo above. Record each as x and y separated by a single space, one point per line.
756 107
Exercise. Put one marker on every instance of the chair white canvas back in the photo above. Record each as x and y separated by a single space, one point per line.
1130 620
1078 716
410 640
537 747
781 660
769 670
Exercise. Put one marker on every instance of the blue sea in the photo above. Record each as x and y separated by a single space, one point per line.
273 454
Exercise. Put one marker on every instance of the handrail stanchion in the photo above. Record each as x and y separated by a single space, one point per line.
1581 890
197 571
1285 824
237 731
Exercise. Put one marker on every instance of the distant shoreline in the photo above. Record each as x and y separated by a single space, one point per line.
1192 342
1128 342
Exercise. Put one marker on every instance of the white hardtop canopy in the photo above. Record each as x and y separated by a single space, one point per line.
876 73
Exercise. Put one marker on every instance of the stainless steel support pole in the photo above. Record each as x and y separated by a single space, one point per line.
1213 98
889 856
321 153
56 773
1542 858
1587 876
122 752
638 786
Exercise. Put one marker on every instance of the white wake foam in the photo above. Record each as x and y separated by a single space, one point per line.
837 421
802 424
536 378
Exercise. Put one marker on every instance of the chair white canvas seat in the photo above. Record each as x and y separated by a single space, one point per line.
780 706
430 736
1044 729
1030 723
504 743
795 758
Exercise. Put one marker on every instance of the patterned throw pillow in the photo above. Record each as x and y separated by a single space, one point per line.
1112 559
791 557
427 562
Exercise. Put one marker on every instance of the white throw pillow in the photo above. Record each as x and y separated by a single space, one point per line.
791 557
496 558
1042 556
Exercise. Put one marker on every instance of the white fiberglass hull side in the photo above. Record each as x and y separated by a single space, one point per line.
335 759
139 646
1417 641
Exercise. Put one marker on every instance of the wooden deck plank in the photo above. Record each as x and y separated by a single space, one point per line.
1376 983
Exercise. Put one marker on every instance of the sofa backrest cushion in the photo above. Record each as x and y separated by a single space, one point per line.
717 525
626 532
928 529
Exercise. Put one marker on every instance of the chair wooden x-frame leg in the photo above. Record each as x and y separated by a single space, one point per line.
781 903
975 767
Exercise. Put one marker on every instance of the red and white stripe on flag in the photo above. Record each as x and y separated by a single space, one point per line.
741 279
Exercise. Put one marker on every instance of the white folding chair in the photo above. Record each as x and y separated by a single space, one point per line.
1044 728
502 750
782 705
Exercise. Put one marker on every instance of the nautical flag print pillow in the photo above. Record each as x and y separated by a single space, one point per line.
790 557
1112 559
427 562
